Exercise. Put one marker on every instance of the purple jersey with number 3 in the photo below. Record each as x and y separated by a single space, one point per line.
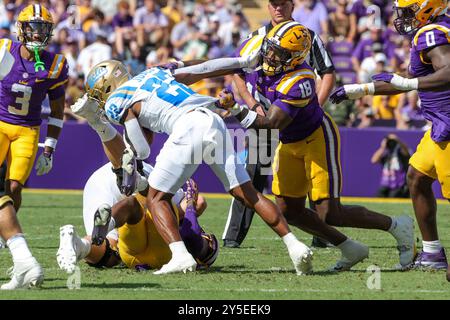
435 105
23 90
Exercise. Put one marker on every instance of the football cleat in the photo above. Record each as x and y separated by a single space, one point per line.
102 217
403 232
434 261
25 274
182 264
351 256
301 257
69 252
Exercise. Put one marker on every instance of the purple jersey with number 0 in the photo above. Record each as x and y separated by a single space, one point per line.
435 105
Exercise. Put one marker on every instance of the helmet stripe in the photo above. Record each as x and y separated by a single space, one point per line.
37 9
280 33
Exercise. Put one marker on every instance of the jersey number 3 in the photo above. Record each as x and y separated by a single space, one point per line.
22 103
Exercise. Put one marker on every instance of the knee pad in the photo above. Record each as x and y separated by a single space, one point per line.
4 200
109 252
212 254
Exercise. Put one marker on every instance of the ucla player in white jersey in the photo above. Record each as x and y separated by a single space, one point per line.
154 100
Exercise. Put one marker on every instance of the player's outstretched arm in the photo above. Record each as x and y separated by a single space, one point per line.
214 68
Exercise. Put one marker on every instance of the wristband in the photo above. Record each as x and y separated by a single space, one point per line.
249 119
50 142
356 91
55 122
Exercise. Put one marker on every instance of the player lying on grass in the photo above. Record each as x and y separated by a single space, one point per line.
428 25
163 105
134 240
307 160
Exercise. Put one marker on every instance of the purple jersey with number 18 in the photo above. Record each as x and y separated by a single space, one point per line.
435 105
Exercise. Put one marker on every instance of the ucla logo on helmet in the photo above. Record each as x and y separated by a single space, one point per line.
94 77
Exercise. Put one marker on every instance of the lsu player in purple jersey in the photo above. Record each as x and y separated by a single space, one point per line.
307 160
27 74
428 24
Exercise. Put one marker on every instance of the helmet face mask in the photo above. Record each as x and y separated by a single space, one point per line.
406 21
29 30
275 58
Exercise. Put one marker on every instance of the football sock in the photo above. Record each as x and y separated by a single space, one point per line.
393 225
191 232
432 246
85 247
18 247
178 249
290 240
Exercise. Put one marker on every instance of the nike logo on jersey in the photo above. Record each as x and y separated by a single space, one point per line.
40 80
271 90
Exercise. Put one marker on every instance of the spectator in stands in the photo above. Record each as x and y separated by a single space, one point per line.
108 7
312 14
134 61
98 22
174 13
122 23
184 32
151 24
237 23
393 155
365 48
373 64
340 25
95 53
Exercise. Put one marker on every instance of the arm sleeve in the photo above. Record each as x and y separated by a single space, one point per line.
214 65
137 139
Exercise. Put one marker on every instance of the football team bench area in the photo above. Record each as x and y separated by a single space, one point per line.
260 269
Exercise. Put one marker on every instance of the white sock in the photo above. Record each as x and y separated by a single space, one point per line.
18 247
85 247
178 249
290 240
346 245
432 246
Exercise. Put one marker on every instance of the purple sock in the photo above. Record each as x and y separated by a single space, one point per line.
191 232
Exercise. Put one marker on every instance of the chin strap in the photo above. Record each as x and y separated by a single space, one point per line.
39 65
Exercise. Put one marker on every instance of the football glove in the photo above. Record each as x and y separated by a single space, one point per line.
44 164
398 82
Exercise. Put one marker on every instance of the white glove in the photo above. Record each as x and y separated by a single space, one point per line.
128 160
43 164
88 109
6 62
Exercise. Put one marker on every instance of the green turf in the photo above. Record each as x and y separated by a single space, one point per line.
261 269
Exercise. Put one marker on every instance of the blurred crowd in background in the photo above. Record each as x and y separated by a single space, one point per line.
359 35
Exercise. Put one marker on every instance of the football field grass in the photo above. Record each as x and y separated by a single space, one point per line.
260 269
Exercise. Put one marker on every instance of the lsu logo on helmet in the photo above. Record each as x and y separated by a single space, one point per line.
35 27
414 14
285 47
104 78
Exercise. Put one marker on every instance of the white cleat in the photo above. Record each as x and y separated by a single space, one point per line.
26 274
67 255
403 232
355 253
301 257
185 264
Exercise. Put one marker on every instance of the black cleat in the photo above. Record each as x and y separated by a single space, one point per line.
102 217
231 244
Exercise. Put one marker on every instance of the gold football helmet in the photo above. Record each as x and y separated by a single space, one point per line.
285 47
414 14
34 27
104 78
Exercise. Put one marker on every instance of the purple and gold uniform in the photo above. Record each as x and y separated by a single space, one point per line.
433 153
22 92
307 157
